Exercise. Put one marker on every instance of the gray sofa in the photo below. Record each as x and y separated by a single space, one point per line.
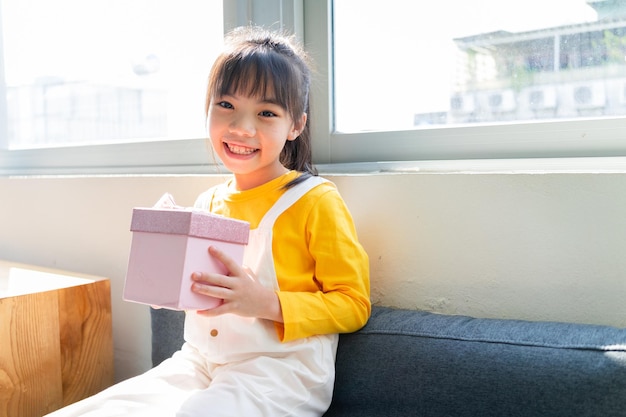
413 363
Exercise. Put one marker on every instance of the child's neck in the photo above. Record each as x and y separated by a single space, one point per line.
245 182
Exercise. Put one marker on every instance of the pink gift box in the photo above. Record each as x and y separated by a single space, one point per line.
168 245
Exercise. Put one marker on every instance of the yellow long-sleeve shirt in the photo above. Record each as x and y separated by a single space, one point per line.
322 270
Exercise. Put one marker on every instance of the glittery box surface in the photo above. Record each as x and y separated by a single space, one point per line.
190 222
168 245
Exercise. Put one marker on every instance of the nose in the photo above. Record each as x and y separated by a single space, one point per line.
242 125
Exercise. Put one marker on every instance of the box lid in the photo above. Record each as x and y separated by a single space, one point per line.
190 222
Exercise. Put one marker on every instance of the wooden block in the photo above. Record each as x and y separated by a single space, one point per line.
55 344
30 365
86 340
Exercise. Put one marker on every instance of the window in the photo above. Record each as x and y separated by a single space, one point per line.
101 77
519 61
396 81
106 71
475 79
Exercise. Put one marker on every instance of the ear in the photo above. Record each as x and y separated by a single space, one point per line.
297 128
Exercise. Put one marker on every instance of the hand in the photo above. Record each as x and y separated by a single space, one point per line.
242 294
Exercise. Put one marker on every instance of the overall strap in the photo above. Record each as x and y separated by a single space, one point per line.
286 200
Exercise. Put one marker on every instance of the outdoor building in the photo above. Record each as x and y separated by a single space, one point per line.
56 112
560 72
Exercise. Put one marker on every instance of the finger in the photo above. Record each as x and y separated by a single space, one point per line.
208 279
211 290
233 267
204 279
215 311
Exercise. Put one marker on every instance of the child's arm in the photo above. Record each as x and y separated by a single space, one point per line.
339 299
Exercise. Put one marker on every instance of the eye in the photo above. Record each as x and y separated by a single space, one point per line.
267 113
224 104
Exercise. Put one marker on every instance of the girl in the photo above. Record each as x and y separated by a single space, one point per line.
269 348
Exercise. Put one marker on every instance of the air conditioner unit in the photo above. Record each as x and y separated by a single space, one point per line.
589 95
502 101
462 103
542 98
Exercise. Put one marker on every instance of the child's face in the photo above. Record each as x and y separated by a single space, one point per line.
248 134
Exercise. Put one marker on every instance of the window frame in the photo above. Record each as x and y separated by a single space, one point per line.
598 137
312 20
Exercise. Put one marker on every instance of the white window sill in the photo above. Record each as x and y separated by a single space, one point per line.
480 166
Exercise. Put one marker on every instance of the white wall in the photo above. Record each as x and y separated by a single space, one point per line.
548 246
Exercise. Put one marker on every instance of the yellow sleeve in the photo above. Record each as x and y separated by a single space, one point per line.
340 301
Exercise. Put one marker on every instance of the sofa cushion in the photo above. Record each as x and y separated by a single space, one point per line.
167 333
412 363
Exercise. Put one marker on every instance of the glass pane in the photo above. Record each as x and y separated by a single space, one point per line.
102 71
403 65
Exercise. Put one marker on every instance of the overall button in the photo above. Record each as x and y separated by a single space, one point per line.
214 332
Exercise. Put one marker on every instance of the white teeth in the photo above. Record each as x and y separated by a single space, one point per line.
240 150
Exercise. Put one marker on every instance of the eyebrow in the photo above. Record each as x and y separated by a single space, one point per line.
271 100
262 100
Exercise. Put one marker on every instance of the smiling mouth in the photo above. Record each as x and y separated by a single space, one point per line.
240 150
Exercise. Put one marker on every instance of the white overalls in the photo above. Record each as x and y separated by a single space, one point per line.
231 366
258 374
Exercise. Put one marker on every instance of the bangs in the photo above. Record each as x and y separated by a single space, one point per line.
255 73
